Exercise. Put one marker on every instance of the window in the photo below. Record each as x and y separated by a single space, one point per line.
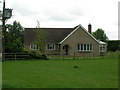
102 47
50 47
84 47
33 47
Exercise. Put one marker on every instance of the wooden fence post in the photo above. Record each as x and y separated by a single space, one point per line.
74 56
93 56
15 56
63 56
52 57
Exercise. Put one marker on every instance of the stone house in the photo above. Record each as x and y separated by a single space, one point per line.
67 41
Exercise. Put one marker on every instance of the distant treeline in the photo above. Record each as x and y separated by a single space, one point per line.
113 45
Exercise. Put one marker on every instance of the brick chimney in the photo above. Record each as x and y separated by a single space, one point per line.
90 28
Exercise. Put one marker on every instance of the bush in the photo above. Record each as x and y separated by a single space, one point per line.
37 55
26 50
32 55
113 45
43 56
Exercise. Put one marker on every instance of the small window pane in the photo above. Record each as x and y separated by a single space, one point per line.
85 47
50 47
34 47
88 48
81 47
78 46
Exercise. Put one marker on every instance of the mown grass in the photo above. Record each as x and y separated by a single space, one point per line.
94 73
0 74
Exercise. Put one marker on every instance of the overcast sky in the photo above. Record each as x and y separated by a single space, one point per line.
67 13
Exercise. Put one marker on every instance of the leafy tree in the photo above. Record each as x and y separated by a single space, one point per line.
0 15
14 37
40 39
99 34
0 11
18 47
113 45
0 18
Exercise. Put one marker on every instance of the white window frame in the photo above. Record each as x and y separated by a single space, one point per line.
53 47
33 47
84 47
102 48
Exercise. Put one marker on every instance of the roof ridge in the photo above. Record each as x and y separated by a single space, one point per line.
51 28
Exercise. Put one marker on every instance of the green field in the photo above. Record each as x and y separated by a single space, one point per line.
0 75
91 73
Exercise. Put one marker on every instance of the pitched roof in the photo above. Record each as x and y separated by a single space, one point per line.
53 35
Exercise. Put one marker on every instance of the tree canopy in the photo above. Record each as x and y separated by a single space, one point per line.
0 15
113 45
14 37
99 34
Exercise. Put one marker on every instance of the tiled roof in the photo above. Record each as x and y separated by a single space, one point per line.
53 35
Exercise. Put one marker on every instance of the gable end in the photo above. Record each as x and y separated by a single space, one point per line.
79 26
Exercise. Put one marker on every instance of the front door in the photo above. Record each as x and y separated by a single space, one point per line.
65 48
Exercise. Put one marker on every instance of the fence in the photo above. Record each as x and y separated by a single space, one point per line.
16 56
57 56
84 56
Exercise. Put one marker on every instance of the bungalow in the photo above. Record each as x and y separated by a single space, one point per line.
67 41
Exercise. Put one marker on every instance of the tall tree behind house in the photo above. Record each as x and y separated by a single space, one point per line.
99 34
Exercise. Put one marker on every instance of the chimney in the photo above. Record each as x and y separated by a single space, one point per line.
89 28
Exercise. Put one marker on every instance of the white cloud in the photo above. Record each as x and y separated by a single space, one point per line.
67 13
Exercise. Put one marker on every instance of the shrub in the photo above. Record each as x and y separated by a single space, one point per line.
25 50
43 56
37 55
32 55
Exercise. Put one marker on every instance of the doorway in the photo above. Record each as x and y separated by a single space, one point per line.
66 49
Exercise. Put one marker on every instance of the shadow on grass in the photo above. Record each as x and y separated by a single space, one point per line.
6 86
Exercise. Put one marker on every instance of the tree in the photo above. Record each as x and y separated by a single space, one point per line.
14 37
0 15
0 11
113 45
40 39
99 34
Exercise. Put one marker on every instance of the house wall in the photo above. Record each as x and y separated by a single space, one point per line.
56 51
80 37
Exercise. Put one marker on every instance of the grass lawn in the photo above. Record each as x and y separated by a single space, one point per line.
102 73
0 75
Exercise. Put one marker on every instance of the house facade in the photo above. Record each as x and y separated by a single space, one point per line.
67 41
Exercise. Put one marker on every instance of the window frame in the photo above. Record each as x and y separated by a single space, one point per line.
33 47
48 48
102 48
84 47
